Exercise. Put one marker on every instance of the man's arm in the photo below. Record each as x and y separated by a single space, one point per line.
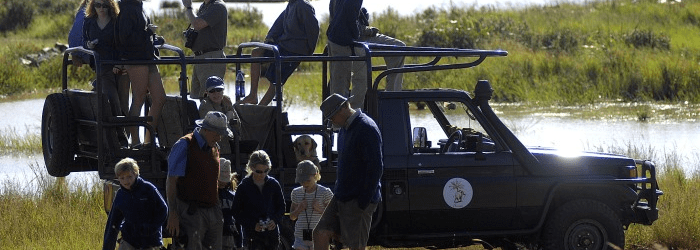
197 23
177 162
372 153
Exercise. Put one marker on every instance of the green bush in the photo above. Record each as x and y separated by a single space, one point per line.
16 14
640 39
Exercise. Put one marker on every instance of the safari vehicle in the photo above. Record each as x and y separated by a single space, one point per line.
454 174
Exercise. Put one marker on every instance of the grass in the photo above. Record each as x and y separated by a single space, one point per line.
62 213
560 53
12 143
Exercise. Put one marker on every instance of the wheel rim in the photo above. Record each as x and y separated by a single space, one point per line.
585 235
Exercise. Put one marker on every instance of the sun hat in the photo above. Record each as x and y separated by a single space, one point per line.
217 122
214 82
305 170
225 172
332 105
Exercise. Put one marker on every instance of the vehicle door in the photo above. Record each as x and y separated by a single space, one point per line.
462 189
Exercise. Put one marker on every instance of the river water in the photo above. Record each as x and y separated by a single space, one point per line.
663 138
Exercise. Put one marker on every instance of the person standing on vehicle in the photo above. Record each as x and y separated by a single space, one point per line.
227 190
135 41
191 187
98 35
215 100
259 204
295 32
371 34
75 36
357 187
343 31
138 211
308 203
211 24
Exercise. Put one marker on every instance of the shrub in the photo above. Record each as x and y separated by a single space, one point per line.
640 38
16 14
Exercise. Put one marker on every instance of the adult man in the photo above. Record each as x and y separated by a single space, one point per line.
343 31
371 34
295 32
191 187
211 23
357 187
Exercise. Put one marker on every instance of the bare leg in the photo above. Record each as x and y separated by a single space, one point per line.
138 75
155 88
252 98
269 94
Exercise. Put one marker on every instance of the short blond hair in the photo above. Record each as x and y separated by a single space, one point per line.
257 157
126 164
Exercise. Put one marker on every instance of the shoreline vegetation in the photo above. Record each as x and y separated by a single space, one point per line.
561 53
60 213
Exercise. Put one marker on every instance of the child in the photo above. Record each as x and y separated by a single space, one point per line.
227 188
138 211
259 204
308 203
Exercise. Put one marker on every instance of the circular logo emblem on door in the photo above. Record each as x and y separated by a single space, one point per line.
457 193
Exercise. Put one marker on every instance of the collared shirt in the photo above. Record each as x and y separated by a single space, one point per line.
352 118
177 160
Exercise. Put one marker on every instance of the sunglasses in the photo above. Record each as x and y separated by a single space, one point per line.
215 90
262 171
101 5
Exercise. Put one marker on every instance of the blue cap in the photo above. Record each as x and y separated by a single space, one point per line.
214 82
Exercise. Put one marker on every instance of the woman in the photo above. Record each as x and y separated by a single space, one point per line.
259 204
215 100
135 42
98 35
138 211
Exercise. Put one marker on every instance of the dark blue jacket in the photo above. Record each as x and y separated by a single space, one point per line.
344 27
105 38
360 164
134 38
226 198
296 29
139 213
250 205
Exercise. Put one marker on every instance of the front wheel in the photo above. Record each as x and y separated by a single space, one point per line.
583 224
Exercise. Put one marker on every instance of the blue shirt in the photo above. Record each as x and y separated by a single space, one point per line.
177 160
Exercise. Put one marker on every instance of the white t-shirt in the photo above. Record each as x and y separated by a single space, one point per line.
309 218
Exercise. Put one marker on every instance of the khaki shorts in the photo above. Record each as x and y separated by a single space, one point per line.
348 221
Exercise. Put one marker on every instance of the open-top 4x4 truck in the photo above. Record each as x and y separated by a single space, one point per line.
454 174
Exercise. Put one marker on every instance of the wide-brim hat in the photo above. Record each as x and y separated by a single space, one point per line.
214 82
225 170
217 122
305 170
331 105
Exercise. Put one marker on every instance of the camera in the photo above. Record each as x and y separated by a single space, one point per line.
307 234
190 36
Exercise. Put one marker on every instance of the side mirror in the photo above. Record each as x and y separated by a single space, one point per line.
420 136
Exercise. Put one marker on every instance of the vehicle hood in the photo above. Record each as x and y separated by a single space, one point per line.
555 162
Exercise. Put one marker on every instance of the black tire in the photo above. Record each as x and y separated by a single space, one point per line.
58 134
583 224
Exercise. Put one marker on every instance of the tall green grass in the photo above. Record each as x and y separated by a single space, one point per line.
559 53
58 214
62 214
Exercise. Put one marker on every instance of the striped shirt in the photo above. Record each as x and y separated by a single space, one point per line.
309 218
